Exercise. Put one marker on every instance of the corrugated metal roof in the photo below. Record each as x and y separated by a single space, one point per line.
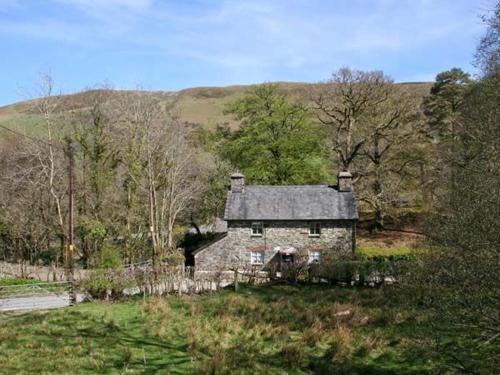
299 202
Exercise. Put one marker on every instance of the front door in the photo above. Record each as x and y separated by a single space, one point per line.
287 258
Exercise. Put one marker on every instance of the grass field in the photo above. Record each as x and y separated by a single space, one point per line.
8 281
368 250
259 330
389 243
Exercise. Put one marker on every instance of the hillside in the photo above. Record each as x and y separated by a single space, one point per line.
201 105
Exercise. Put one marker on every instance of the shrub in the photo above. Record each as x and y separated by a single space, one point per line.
110 257
175 257
359 271
104 284
299 269
337 271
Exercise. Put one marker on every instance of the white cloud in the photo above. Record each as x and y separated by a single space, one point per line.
255 37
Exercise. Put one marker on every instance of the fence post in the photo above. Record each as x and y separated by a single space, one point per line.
72 294
236 286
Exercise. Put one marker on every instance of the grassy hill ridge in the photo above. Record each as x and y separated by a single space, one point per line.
198 105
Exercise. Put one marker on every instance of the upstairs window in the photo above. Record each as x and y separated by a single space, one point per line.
314 256
257 229
256 257
314 229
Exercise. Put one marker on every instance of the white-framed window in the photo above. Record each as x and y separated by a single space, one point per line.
314 256
257 228
314 229
256 257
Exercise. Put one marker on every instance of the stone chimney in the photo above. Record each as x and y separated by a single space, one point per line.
237 183
344 181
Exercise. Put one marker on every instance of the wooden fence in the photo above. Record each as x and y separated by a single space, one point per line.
165 279
145 280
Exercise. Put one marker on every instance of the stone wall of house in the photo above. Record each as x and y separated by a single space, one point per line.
235 249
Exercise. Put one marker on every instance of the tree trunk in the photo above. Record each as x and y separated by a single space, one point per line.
379 219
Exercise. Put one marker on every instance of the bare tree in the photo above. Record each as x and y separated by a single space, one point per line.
171 181
46 169
28 218
370 118
390 133
345 103
488 51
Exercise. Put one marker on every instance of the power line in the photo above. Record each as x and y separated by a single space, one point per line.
31 138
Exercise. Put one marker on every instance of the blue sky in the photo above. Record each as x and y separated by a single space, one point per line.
170 45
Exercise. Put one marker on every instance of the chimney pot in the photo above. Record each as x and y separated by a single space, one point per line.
237 183
344 181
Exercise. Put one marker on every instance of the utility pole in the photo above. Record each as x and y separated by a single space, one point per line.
71 234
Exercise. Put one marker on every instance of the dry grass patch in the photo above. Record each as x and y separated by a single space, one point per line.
315 333
340 347
156 305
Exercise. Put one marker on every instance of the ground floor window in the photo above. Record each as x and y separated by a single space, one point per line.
256 257
314 256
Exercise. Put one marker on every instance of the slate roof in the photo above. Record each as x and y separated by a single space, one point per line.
301 202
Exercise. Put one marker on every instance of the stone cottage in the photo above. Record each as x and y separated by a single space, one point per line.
271 224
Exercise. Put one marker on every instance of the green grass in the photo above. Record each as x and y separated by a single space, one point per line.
7 281
373 250
30 124
275 330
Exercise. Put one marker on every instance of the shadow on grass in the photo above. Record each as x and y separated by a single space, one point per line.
123 345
